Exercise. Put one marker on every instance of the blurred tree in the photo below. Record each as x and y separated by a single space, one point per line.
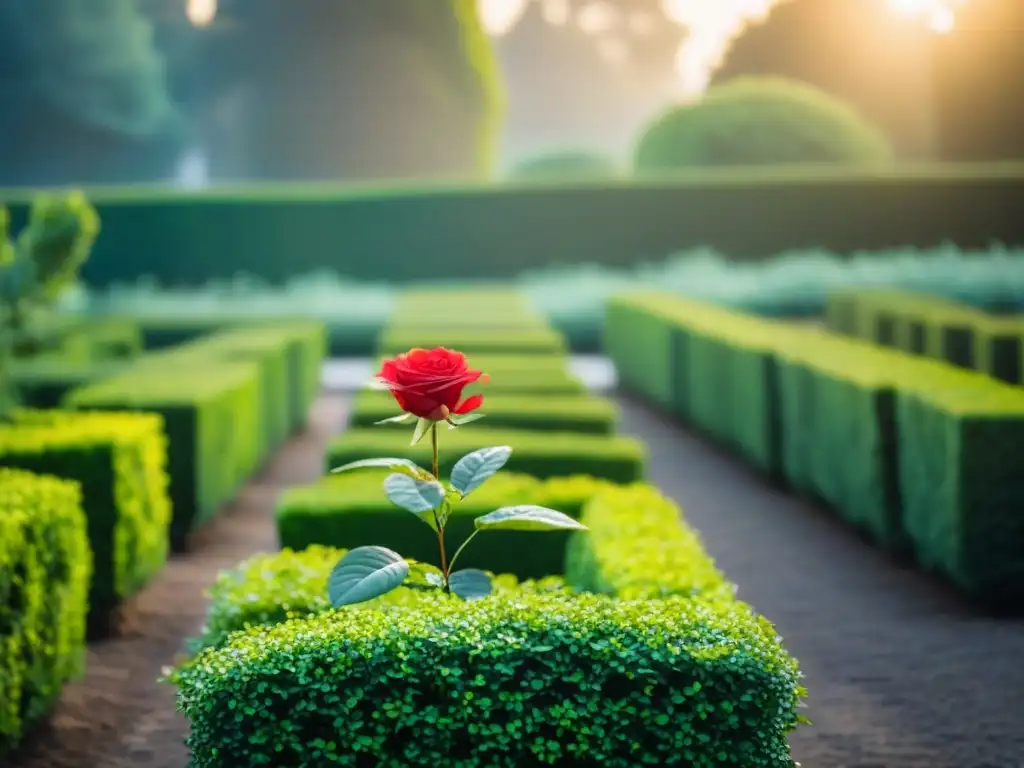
858 50
586 70
325 89
760 121
979 83
84 94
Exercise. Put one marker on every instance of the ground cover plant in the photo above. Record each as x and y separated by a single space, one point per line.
912 450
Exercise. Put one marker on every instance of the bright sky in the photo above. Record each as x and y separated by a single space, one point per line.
713 24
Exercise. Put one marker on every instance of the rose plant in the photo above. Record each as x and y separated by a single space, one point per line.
428 385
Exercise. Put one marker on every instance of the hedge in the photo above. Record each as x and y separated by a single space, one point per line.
45 568
488 231
584 678
573 413
214 423
932 326
541 454
228 399
120 462
44 381
351 510
533 341
823 412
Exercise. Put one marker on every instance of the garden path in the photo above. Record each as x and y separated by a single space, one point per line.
117 715
901 673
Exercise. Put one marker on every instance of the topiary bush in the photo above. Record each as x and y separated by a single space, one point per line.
567 164
760 121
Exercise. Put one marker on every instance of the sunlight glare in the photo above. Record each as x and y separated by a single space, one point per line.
201 12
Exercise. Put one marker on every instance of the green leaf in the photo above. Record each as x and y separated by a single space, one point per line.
421 429
527 517
364 573
470 584
394 419
412 494
455 420
470 472
387 463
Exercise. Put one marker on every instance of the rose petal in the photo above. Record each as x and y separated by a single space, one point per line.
469 404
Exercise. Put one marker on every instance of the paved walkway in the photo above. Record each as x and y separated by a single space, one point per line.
901 674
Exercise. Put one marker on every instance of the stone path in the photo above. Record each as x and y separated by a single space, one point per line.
118 716
901 674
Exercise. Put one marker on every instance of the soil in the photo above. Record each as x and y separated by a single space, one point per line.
902 673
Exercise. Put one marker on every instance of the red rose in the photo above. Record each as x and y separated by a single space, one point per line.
428 382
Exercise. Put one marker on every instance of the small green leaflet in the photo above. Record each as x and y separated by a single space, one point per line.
412 494
364 573
473 469
527 517
470 584
455 420
394 419
421 429
385 463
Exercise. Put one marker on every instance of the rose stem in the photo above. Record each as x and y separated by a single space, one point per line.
440 528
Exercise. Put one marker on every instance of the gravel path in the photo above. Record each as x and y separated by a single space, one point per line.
901 674
118 716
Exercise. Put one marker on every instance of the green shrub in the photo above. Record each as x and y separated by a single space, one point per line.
213 418
536 341
932 326
45 567
349 510
44 381
531 679
541 454
120 462
636 548
567 164
962 488
269 589
108 338
759 121
522 374
574 413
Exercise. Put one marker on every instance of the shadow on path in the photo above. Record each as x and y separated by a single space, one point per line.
901 673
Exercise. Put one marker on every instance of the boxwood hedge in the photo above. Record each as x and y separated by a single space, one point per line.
536 674
45 567
120 462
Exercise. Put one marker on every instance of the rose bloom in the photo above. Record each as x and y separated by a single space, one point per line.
428 382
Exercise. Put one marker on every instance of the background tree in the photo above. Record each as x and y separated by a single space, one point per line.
350 89
84 94
858 50
586 71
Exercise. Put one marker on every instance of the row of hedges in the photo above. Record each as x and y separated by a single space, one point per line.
619 646
638 653
935 327
494 232
93 494
916 452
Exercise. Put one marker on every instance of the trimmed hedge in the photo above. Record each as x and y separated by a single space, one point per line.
228 400
575 413
213 418
531 341
350 510
832 416
44 381
622 681
522 374
934 327
120 462
541 454
45 569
